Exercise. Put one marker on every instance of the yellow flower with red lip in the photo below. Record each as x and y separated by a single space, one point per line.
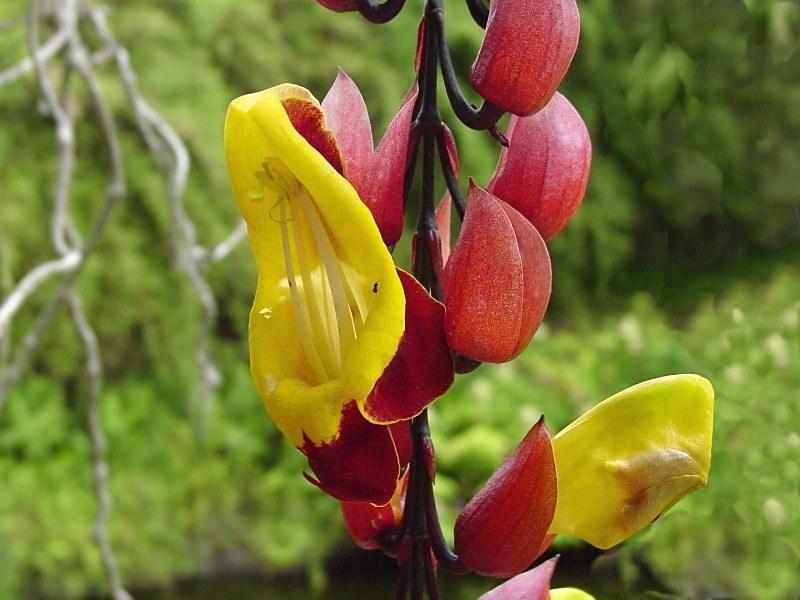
330 308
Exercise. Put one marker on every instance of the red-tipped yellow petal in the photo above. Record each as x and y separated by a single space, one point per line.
319 337
496 282
527 49
502 529
360 464
544 170
629 459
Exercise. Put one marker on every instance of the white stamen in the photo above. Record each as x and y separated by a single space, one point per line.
300 312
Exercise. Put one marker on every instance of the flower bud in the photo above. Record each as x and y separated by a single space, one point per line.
543 171
525 53
496 282
504 527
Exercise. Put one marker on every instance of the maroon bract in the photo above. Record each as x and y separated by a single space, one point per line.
525 53
543 171
366 522
496 282
504 527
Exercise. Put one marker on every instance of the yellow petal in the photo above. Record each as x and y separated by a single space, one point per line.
569 594
266 156
629 459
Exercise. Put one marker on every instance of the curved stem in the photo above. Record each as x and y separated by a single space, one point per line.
375 12
479 12
488 114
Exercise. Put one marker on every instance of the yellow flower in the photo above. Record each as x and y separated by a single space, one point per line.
329 307
632 457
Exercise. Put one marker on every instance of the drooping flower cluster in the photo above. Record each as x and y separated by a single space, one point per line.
347 351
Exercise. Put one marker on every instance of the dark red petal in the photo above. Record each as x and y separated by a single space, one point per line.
525 53
401 434
530 585
381 186
365 521
359 465
309 121
347 117
544 171
502 529
422 369
483 283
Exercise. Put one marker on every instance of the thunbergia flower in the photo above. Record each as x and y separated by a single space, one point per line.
527 49
602 479
330 308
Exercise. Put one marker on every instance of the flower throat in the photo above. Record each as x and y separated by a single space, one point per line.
328 309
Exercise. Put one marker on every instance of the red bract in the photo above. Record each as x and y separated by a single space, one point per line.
496 282
366 522
377 176
348 118
531 585
543 171
504 527
525 53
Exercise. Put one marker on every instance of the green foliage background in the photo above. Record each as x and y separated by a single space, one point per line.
676 262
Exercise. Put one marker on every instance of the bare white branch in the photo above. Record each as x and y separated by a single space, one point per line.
66 45
229 244
29 284
44 53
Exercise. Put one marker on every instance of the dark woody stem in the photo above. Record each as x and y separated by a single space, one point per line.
419 544
479 12
375 12
422 547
